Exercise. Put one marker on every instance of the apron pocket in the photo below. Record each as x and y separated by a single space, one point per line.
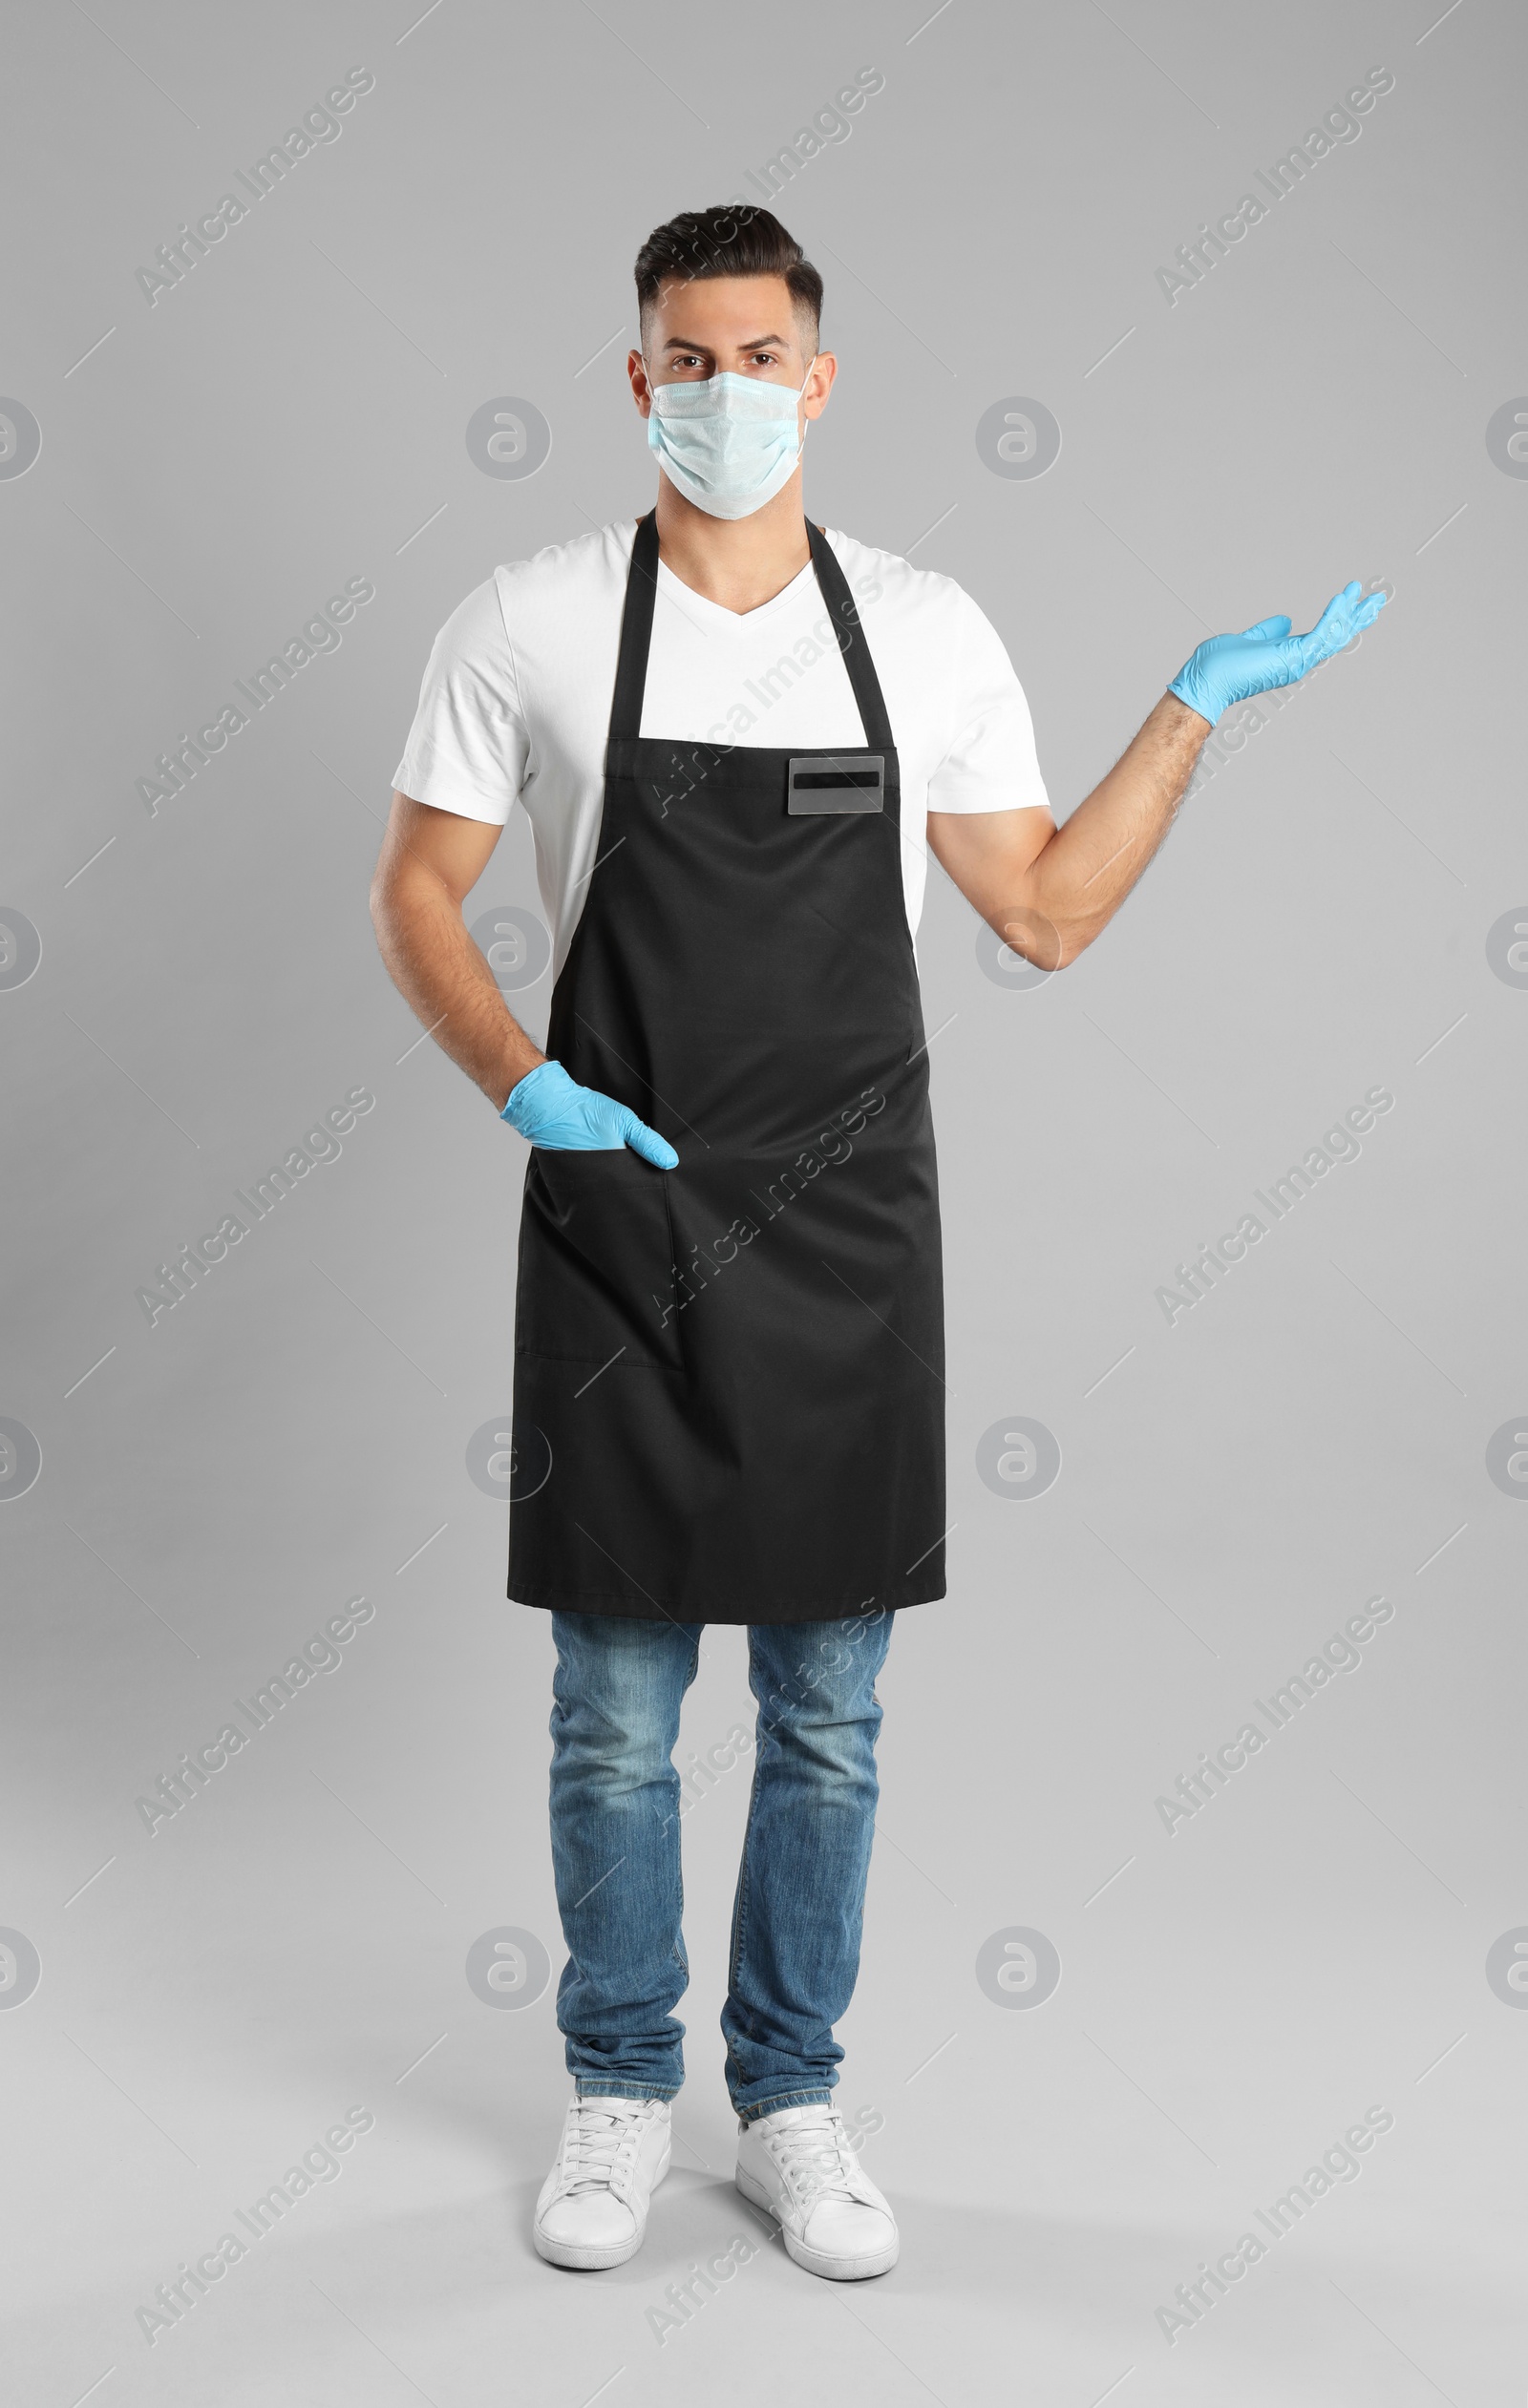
596 1261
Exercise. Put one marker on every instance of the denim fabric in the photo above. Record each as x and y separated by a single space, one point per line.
616 1802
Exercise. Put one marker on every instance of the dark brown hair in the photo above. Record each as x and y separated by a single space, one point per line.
733 240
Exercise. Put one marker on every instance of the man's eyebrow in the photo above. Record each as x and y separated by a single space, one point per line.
759 343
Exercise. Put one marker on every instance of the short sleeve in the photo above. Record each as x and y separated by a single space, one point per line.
469 745
991 764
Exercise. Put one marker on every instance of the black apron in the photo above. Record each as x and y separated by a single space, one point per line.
728 1377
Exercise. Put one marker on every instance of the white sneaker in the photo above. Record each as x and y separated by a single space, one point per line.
799 2166
593 2206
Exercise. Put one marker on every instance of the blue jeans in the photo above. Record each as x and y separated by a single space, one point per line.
616 1807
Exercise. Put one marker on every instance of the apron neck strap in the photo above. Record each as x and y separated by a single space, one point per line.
636 637
636 633
852 642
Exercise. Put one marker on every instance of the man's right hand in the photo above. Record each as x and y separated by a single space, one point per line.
551 1109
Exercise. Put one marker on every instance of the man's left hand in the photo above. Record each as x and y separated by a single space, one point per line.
1227 670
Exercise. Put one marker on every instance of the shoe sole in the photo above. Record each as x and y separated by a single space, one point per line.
834 2269
589 2258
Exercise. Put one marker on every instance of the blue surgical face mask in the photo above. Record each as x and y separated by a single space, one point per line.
728 443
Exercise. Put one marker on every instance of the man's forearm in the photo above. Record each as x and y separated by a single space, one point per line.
1061 892
1081 876
439 971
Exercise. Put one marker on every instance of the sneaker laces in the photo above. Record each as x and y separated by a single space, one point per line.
815 2158
597 2140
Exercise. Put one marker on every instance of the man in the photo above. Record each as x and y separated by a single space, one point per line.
734 735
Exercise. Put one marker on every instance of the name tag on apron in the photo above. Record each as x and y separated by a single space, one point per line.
833 782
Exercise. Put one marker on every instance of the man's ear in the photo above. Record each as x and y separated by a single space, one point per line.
637 365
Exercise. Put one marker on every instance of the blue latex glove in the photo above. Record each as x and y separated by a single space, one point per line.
551 1109
1229 669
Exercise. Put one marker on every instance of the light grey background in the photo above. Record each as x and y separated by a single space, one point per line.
296 1431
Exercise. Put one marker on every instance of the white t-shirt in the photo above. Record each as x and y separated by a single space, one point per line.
515 700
